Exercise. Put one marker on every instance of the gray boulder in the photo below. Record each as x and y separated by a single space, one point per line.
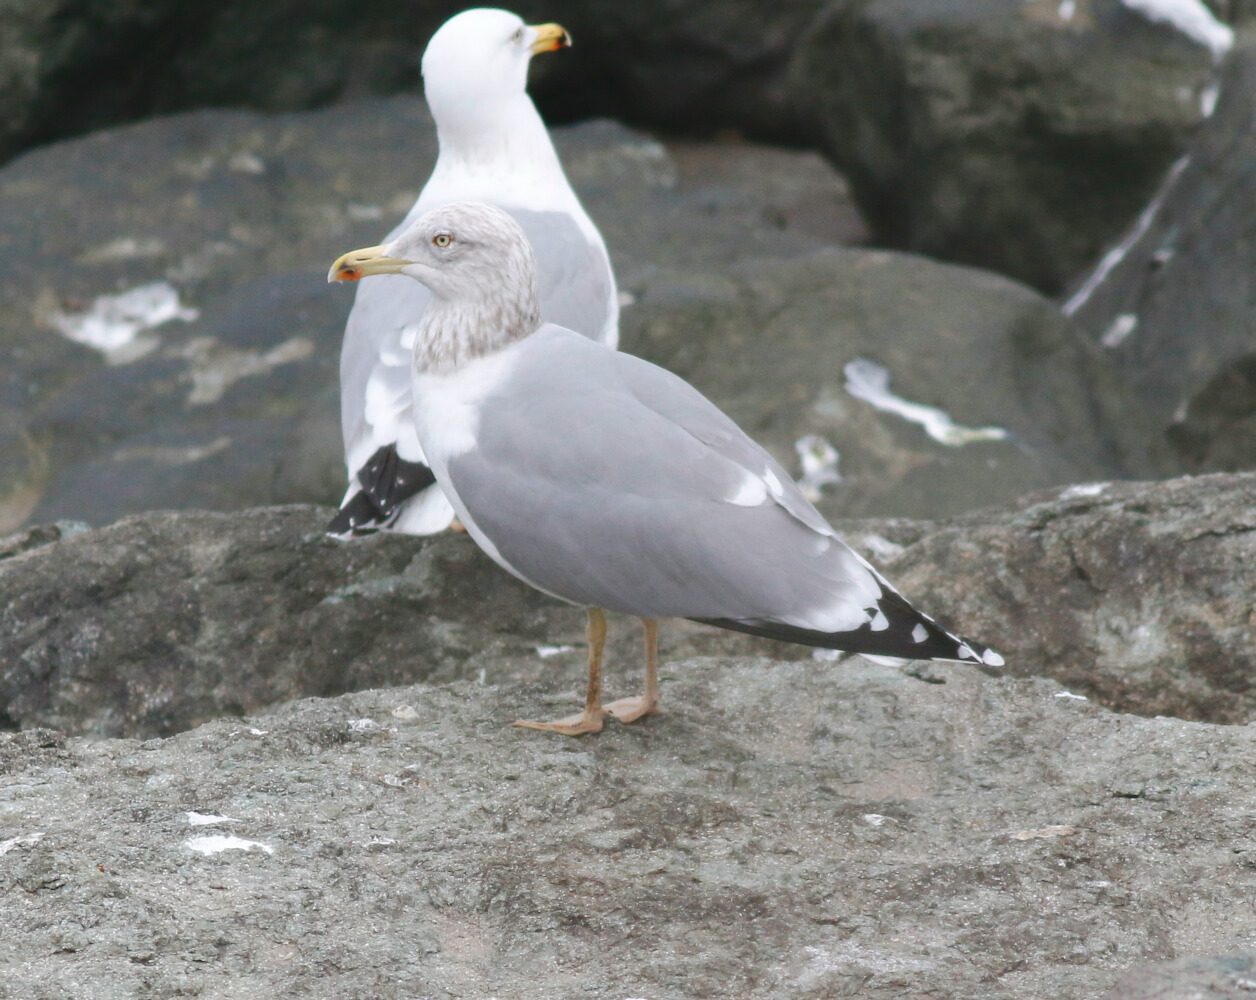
783 830
1011 135
727 248
1137 596
991 132
1175 308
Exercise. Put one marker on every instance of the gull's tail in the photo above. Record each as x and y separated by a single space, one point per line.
895 631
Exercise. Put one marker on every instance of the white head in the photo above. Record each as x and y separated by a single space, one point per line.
479 266
480 56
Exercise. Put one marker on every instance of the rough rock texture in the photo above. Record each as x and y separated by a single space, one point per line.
723 247
1178 309
997 132
1224 977
241 214
1136 595
165 620
771 342
785 830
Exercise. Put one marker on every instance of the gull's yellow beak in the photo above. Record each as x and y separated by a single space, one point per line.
550 38
362 263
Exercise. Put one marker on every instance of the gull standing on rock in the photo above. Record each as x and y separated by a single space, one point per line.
493 148
608 482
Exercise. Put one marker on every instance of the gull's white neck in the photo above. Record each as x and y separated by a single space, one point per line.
498 148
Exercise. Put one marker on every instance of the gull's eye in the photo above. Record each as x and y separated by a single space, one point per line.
517 37
442 240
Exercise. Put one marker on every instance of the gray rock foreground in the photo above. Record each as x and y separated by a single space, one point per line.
1138 595
785 829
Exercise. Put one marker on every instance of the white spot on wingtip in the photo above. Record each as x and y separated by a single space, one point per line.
870 382
217 843
965 652
879 622
992 659
919 633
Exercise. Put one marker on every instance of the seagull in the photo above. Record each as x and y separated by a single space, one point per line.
493 148
608 482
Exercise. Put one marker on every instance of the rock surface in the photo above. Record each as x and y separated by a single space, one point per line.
1135 595
1224 977
1177 310
1011 135
795 830
726 248
1007 134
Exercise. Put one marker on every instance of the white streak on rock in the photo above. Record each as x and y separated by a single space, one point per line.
1116 334
217 843
870 382
1117 254
819 465
825 655
545 652
1192 18
1071 696
113 322
1083 490
7 845
1045 833
208 819
1208 99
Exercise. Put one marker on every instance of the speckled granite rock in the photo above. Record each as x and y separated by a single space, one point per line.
784 830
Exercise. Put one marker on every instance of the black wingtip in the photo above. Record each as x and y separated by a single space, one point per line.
904 633
388 481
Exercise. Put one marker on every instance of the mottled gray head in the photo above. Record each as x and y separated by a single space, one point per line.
479 266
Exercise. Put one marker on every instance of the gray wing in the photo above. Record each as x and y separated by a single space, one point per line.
577 285
577 291
610 482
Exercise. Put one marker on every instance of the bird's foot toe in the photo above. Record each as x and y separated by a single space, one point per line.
628 710
572 725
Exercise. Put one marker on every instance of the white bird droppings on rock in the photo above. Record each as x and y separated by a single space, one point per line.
113 322
1045 833
1119 330
1069 694
819 465
545 652
870 382
217 843
1192 18
7 845
1083 490
208 819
